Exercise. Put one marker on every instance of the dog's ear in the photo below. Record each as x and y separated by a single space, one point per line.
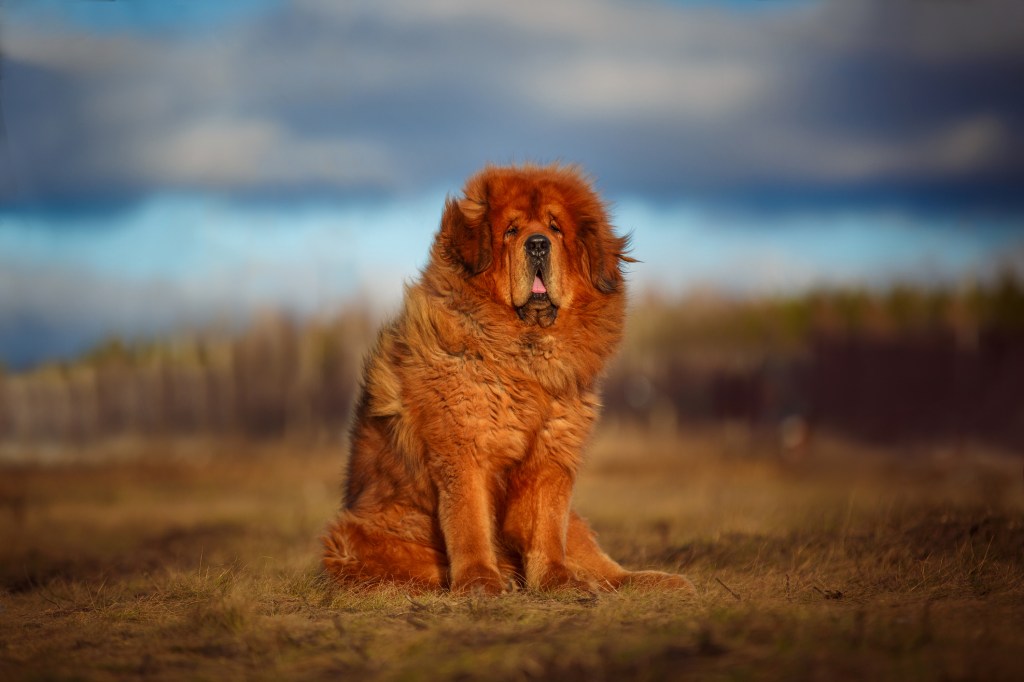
468 234
604 252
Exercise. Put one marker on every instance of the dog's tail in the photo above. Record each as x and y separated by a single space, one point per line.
357 554
339 559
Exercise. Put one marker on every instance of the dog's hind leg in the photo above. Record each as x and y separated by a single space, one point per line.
589 562
358 553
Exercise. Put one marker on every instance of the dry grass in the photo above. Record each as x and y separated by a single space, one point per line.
199 561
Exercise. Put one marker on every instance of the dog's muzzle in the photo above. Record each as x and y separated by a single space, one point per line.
538 251
539 308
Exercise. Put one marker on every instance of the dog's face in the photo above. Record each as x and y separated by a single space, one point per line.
536 238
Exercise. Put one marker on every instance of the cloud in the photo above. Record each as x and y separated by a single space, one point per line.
227 154
660 100
609 89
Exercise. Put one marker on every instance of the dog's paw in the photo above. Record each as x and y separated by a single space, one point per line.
478 579
558 577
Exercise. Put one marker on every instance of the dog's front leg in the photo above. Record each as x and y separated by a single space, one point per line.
464 512
536 522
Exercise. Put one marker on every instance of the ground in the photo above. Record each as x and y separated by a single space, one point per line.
199 560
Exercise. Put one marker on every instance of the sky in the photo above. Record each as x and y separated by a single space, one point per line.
175 163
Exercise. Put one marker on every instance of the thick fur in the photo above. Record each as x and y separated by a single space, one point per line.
478 399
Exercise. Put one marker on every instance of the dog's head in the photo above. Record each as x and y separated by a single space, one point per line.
537 238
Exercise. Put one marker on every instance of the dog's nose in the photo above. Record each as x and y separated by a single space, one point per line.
537 245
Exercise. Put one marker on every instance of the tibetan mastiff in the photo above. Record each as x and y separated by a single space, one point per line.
477 401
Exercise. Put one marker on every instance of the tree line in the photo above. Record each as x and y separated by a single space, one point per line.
900 362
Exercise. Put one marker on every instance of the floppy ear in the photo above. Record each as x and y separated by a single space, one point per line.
468 234
604 251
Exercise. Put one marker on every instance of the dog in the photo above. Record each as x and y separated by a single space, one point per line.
477 400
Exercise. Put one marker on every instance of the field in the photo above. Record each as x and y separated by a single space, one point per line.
199 560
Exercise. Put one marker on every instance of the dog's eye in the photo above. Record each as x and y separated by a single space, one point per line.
512 231
554 226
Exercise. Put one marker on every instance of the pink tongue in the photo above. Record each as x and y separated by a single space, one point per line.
538 286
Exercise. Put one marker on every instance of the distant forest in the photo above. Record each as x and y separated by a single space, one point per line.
902 364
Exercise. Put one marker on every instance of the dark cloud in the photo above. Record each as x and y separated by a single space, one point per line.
839 101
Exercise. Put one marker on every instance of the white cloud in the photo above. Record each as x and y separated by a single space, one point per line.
959 149
239 153
610 89
69 51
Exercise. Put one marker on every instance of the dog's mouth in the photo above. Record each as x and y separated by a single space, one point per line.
539 291
538 308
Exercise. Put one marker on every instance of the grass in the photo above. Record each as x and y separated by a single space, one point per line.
200 561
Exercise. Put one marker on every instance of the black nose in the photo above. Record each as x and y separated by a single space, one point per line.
537 246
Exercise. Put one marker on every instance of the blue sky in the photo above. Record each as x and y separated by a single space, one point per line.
176 163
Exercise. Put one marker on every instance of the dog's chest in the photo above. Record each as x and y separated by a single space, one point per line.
509 410
550 365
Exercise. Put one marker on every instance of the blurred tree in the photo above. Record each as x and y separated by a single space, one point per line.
904 362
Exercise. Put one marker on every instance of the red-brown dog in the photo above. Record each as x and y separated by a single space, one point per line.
477 400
